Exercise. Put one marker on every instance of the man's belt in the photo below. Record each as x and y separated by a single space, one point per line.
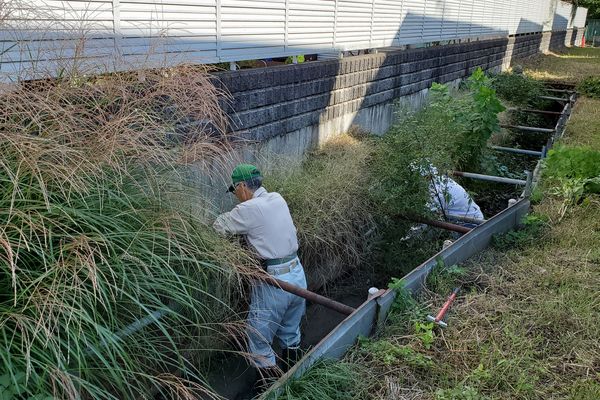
277 261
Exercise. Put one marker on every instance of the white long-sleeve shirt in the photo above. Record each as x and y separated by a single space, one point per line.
452 198
266 221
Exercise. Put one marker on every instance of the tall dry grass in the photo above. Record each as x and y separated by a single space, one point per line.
96 234
330 204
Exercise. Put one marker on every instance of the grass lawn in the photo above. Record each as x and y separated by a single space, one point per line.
525 324
572 65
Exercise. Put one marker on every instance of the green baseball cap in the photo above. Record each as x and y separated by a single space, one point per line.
243 172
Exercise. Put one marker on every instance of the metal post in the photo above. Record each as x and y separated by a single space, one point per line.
517 151
528 128
490 178
552 98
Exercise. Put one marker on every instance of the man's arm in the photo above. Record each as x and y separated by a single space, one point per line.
237 221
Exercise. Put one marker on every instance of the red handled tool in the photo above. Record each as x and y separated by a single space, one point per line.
440 316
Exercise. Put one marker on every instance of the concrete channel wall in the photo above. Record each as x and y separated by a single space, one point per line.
290 109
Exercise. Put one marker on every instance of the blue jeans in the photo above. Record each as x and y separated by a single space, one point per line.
275 313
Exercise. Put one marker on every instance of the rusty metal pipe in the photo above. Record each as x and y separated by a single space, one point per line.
438 224
308 295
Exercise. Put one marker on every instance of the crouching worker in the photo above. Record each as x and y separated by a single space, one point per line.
450 199
265 220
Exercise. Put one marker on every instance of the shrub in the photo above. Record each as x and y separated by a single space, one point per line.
480 117
518 89
590 87
451 132
575 163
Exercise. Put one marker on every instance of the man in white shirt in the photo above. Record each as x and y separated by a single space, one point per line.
265 220
449 198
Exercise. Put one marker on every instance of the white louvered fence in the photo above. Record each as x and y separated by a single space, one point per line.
41 37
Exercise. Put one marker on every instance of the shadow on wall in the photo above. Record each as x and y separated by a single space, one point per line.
278 113
413 71
286 110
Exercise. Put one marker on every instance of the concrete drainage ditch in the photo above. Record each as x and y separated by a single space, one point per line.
372 313
335 333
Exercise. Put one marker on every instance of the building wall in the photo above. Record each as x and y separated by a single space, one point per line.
43 38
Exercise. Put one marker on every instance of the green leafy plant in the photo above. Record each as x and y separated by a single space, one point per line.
424 331
532 226
573 191
573 173
461 392
404 301
390 353
590 87
480 116
572 162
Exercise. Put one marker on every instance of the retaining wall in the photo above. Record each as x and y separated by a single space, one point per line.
288 109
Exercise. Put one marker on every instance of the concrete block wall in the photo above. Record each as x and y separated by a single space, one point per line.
288 110
318 99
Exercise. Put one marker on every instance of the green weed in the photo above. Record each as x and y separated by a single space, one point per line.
442 280
590 87
572 173
390 353
572 162
328 380
461 392
532 227
518 89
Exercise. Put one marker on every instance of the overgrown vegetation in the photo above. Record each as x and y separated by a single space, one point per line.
518 89
328 380
93 236
590 87
450 132
572 173
523 325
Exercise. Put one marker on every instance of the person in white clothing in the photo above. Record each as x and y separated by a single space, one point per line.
265 220
448 197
